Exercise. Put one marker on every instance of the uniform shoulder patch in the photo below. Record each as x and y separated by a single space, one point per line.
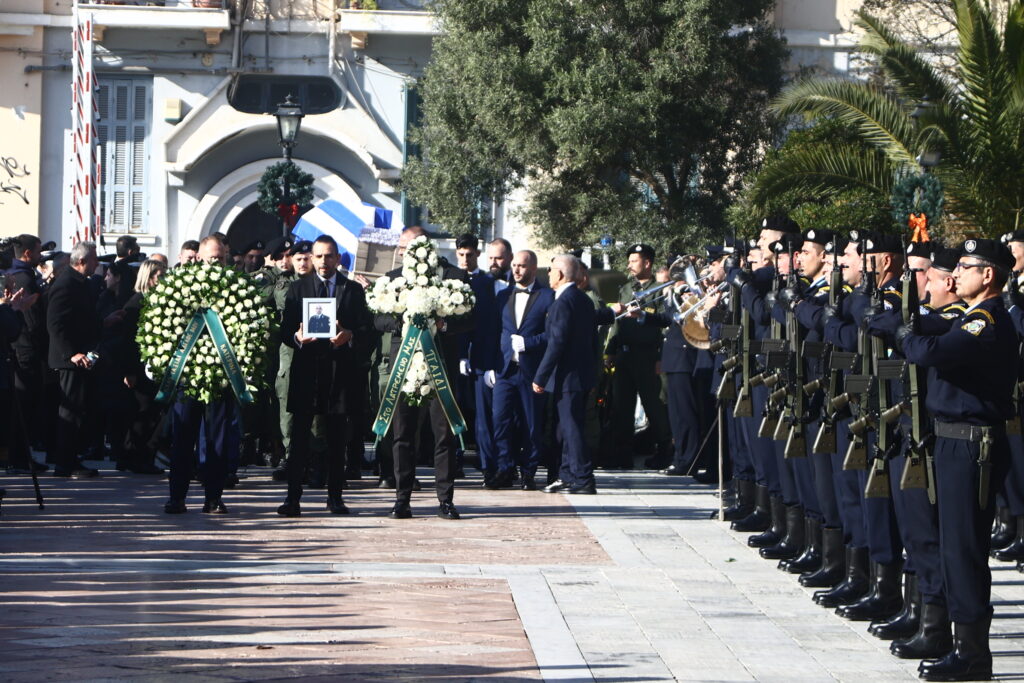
950 315
974 326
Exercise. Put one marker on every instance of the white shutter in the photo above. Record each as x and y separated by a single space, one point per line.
124 153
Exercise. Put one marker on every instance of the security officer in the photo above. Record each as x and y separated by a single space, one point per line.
973 371
634 348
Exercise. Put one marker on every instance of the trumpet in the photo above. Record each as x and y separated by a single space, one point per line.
681 316
681 270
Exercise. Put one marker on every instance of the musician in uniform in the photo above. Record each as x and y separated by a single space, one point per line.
633 349
970 398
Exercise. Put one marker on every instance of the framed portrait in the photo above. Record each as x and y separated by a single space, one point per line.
319 317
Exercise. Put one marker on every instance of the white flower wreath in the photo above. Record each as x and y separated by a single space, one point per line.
170 305
420 294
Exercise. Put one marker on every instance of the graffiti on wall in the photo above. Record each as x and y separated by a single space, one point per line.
10 171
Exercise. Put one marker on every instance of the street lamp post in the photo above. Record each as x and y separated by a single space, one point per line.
289 119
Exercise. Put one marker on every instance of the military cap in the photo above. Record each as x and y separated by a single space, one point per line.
301 247
992 251
644 250
781 223
277 246
880 243
922 249
1015 236
255 245
717 251
819 236
48 246
945 259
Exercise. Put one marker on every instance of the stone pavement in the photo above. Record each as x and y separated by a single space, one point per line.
634 584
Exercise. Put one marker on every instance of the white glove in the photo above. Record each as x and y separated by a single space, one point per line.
518 343
490 378
464 368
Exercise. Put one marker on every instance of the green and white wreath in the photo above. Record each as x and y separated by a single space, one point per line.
171 305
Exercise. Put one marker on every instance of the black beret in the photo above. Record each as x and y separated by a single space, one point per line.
881 243
781 223
922 249
644 250
277 246
1015 236
945 259
819 236
48 246
467 241
857 235
837 245
255 245
717 251
301 247
992 251
789 242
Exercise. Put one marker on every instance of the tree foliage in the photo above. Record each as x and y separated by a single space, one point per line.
635 118
975 120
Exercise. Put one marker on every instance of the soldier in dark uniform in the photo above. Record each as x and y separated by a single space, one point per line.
634 348
973 371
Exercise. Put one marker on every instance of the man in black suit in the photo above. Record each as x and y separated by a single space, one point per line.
319 323
406 416
74 331
327 376
567 370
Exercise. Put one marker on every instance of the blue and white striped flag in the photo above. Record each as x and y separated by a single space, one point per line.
344 224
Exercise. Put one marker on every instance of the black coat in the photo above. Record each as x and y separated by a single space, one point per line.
30 346
325 380
448 340
71 318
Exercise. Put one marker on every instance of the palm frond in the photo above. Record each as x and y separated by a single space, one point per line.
985 77
878 118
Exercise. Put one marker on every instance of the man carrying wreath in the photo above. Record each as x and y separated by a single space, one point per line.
327 376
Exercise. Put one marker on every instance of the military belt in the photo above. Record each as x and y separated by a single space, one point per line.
962 431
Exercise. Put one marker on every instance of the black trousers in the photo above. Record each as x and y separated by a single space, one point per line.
25 423
404 433
75 392
339 429
213 422
684 418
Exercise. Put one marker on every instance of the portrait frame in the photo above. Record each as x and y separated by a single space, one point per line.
313 308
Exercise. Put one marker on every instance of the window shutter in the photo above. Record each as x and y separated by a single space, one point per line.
123 134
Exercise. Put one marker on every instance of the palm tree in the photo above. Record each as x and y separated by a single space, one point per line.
975 121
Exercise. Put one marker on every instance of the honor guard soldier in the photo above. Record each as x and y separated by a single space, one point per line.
970 387
634 349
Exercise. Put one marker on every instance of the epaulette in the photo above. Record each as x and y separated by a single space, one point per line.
847 288
805 280
825 288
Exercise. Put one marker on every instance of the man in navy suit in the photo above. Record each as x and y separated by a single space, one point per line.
567 370
524 309
479 355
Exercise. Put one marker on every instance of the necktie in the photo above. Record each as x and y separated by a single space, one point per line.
325 288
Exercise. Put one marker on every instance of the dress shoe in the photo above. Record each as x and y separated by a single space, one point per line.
673 471
401 510
336 505
215 506
386 483
280 474
289 508
77 472
1014 550
175 506
969 660
555 486
705 477
588 489
1005 528
447 511
529 483
501 480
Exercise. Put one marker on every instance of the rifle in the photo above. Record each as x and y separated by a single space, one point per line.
776 364
857 386
918 470
878 485
796 440
1013 425
744 403
833 363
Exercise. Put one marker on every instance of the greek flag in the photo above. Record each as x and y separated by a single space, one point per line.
343 223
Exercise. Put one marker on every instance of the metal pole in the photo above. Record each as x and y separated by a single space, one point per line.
721 462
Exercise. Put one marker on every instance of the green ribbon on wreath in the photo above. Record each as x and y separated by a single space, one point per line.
203 318
418 337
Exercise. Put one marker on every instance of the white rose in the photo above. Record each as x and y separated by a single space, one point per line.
422 268
422 253
425 390
422 281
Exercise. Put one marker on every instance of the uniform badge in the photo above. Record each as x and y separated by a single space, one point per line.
974 326
649 309
950 315
970 246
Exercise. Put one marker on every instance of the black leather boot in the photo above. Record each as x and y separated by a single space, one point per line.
744 504
793 540
1004 530
1013 551
969 660
883 600
810 559
831 571
904 624
854 586
760 518
776 531
933 638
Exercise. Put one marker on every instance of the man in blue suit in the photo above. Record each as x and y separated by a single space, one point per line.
479 355
523 309
567 370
